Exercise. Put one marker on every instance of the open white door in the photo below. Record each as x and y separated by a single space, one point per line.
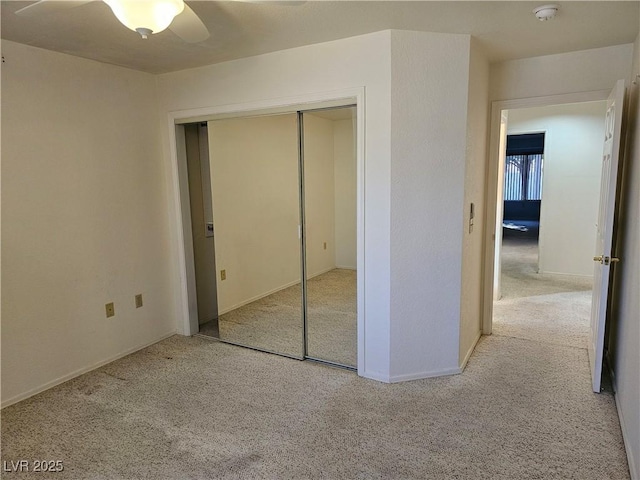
604 236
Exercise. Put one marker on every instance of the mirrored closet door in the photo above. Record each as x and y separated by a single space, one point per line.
273 201
256 223
330 214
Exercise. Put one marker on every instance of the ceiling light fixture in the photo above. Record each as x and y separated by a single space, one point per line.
545 12
146 16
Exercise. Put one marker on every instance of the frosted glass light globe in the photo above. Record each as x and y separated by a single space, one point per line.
146 16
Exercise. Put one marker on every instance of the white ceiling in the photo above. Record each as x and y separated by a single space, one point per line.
505 29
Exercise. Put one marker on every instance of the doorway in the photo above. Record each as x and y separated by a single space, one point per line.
543 283
521 202
283 217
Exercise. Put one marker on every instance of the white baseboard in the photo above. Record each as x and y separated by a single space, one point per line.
379 377
257 297
321 272
470 351
634 467
420 375
344 267
81 371
271 292
574 275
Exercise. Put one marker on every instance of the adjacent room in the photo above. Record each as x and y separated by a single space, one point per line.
552 179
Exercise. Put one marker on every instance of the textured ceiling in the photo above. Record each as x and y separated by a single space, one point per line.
506 30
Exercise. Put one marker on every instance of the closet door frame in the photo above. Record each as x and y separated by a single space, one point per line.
303 235
186 298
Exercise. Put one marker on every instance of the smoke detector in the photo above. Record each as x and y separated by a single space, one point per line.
545 12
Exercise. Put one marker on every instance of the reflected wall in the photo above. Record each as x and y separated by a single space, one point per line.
330 240
256 216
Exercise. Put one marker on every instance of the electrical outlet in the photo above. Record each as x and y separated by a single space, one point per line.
325 245
223 274
138 300
110 309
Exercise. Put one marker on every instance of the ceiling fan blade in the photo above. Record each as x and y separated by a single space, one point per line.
189 27
44 7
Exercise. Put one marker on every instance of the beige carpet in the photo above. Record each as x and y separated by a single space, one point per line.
190 408
332 321
546 308
520 277
559 318
274 323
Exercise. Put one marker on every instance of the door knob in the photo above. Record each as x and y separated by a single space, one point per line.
606 260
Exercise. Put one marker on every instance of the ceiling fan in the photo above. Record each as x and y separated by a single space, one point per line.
146 17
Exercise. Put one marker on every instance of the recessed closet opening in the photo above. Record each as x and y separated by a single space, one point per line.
271 231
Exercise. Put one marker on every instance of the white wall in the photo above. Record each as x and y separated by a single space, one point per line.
319 194
429 85
84 217
572 169
256 213
474 192
626 347
312 70
344 153
581 71
255 185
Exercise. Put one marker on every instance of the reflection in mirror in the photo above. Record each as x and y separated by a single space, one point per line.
330 234
256 211
199 182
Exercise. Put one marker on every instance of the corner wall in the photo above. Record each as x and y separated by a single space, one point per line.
429 85
474 192
84 219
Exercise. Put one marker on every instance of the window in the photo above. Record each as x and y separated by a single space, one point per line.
523 177
523 167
